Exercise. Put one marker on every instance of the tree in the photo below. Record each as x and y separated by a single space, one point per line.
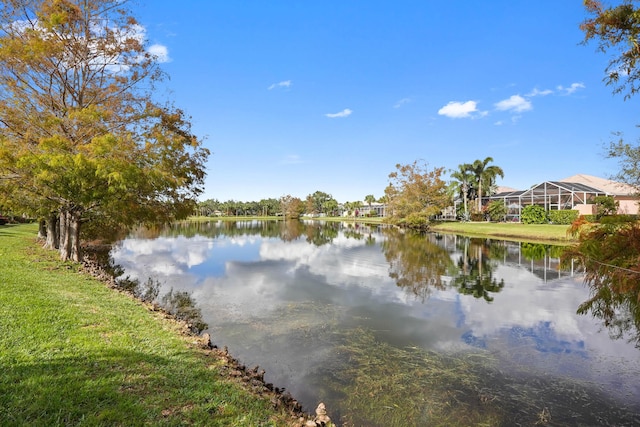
352 207
605 205
616 28
82 140
610 251
497 210
269 206
369 198
291 207
330 207
463 183
415 193
485 176
317 202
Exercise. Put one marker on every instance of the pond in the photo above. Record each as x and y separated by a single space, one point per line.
392 328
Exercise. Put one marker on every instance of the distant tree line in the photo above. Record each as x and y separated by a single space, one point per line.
415 195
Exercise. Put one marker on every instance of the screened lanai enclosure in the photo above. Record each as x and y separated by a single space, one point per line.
552 195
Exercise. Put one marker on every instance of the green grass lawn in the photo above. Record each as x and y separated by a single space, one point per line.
74 352
533 232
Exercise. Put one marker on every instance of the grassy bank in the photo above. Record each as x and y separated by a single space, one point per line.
73 351
527 232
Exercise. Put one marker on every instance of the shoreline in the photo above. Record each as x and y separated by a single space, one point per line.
544 234
89 320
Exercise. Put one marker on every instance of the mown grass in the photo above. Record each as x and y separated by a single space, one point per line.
527 232
74 352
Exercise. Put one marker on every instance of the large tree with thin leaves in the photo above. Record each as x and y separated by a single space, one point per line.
82 138
610 251
415 193
617 30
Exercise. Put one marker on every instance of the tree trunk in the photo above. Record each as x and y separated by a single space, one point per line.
465 191
75 252
42 229
65 246
70 235
53 232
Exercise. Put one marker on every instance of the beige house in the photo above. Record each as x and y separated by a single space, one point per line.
626 195
574 192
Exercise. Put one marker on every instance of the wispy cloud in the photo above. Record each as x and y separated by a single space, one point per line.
538 92
514 103
344 113
571 89
401 102
291 159
283 84
160 52
459 110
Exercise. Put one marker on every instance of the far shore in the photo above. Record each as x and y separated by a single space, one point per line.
540 233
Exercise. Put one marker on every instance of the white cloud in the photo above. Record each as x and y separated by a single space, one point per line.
285 84
538 92
571 89
515 103
402 102
344 113
160 52
458 110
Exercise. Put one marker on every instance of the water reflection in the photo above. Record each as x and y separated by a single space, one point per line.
392 328
416 262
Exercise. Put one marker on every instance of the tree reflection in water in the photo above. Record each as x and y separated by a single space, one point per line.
421 263
619 313
609 253
416 263
475 276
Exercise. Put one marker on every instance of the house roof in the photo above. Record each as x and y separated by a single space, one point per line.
603 184
503 189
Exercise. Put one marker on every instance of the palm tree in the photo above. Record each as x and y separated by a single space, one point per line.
464 176
485 175
369 198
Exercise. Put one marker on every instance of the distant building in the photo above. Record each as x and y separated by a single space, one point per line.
376 208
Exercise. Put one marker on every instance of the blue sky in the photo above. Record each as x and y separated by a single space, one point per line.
293 97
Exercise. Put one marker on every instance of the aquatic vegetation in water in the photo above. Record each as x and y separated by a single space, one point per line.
383 385
387 386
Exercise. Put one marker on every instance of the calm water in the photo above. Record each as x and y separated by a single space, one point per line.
400 329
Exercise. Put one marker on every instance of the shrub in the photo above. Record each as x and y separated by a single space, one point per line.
564 217
417 220
534 214
605 205
618 219
497 210
477 216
